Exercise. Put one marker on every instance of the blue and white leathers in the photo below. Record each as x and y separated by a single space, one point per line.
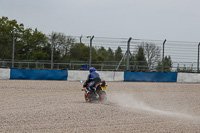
92 78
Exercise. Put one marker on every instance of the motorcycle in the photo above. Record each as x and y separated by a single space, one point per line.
97 93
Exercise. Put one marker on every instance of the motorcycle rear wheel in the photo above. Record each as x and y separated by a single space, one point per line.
104 96
100 99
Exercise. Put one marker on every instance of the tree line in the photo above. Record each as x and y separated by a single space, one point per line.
32 44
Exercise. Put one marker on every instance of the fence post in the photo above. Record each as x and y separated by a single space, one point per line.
163 55
128 49
36 63
81 39
91 38
178 67
102 64
192 67
198 58
52 48
13 52
3 63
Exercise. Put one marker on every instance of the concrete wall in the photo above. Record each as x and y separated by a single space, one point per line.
4 73
75 75
111 75
188 78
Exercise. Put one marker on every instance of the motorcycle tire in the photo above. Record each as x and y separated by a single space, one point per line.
100 99
104 96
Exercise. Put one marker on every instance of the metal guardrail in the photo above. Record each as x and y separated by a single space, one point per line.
81 65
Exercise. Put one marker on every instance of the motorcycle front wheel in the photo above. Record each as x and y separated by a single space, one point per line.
87 98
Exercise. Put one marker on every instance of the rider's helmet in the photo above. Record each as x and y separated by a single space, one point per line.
92 69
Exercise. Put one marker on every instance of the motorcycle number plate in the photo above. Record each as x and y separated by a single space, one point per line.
104 88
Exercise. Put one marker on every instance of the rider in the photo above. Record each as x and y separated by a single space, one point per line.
92 79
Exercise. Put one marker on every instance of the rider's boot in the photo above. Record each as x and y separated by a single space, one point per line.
88 89
97 96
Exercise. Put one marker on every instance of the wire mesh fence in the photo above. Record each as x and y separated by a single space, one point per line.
184 56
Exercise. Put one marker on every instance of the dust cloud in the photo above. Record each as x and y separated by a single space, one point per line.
128 101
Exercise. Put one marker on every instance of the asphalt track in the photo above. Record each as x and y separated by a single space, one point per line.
59 107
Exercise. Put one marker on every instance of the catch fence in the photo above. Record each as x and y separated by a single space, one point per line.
184 56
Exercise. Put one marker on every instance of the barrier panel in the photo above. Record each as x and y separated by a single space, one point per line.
150 77
105 75
76 75
38 74
111 75
188 78
4 73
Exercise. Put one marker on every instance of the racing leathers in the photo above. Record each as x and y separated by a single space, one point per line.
92 79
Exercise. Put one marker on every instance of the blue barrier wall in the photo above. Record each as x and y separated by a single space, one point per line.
63 75
150 77
38 74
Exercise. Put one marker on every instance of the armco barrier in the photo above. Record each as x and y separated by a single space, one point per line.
76 75
4 73
188 78
38 74
150 77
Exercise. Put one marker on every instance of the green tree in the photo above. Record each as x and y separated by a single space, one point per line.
102 54
34 44
167 65
8 29
62 43
79 52
118 54
110 55
141 60
28 42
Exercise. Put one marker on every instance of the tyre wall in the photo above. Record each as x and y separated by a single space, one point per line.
150 77
38 74
4 73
